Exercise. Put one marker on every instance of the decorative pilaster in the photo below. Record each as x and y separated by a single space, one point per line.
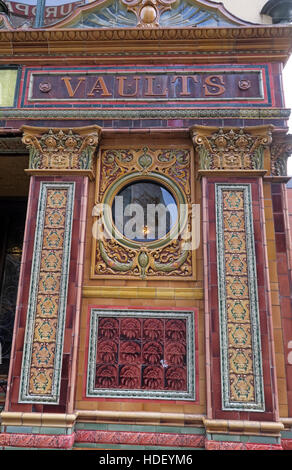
231 163
49 297
46 313
240 342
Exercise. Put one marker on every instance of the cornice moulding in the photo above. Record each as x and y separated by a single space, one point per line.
239 32
232 173
275 41
277 179
49 172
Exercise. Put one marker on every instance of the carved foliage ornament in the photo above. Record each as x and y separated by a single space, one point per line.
117 256
120 361
281 150
141 354
148 11
61 149
230 149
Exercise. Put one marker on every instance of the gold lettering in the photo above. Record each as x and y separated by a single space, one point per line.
100 86
149 91
212 88
184 83
67 81
121 89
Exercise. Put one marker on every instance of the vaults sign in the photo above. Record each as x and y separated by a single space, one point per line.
144 84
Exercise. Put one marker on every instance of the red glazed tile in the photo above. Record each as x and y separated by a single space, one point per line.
286 307
23 408
276 188
282 265
284 285
277 203
279 223
280 242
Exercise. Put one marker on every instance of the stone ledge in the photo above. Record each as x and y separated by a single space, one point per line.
232 173
10 418
60 172
246 427
140 417
143 293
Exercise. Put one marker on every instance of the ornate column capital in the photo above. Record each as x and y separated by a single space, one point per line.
227 149
61 150
281 150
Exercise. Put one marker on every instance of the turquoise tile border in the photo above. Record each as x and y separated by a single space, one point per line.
19 429
139 428
265 440
189 394
38 430
244 438
31 448
258 404
24 395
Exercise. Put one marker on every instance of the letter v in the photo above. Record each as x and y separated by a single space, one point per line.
67 82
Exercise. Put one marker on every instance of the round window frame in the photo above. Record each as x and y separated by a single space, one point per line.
167 183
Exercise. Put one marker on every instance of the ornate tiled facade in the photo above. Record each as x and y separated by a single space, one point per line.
178 340
41 368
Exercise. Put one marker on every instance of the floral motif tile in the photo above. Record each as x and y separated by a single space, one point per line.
53 238
43 354
56 199
51 260
45 330
55 218
47 306
241 369
40 381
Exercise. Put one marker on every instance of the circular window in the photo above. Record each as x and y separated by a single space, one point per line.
144 211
